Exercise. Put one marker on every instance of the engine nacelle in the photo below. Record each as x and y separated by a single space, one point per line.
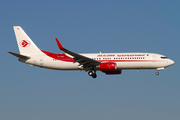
108 66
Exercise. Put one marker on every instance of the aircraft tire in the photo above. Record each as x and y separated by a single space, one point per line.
157 73
94 75
90 73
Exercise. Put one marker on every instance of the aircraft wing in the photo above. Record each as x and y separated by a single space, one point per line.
82 60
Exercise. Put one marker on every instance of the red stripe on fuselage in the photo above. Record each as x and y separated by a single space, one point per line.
61 57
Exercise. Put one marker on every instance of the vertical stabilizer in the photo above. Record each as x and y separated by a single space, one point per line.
25 44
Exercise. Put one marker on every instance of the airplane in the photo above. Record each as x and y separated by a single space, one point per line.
108 63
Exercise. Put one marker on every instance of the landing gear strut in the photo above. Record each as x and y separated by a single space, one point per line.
92 73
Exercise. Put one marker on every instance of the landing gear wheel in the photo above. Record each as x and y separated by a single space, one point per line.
94 75
90 73
157 73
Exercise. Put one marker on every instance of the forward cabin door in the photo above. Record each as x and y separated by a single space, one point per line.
154 58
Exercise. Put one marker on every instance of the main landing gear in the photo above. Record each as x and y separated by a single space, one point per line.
92 73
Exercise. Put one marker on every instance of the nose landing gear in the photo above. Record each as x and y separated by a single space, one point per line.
157 73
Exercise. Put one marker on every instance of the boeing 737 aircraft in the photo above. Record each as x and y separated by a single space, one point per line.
109 63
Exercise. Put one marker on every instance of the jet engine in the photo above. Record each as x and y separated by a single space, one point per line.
109 68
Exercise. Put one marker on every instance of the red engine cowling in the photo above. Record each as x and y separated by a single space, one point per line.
107 66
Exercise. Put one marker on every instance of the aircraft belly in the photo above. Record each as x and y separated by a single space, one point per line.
158 64
59 65
69 66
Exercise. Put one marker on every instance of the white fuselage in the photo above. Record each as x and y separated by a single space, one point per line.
123 61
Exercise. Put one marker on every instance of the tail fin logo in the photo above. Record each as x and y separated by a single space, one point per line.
24 43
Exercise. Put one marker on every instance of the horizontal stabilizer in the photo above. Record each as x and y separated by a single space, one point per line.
19 56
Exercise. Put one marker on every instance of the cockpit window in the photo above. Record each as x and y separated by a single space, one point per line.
164 57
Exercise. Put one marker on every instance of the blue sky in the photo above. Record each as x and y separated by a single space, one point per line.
28 93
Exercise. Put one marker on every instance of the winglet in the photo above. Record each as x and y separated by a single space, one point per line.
59 45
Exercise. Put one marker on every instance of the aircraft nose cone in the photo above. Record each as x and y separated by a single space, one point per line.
171 62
